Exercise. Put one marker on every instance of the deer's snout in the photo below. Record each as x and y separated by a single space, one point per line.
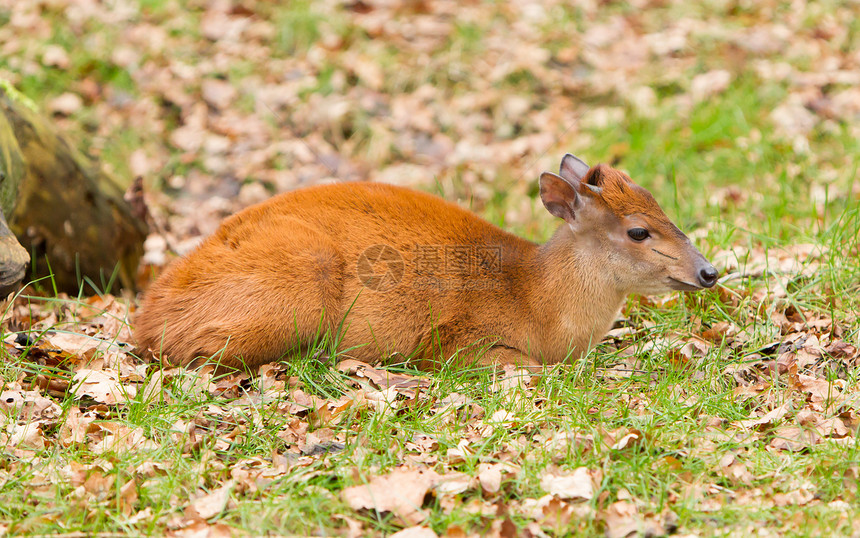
708 276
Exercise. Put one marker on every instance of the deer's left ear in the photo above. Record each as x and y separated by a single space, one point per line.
573 169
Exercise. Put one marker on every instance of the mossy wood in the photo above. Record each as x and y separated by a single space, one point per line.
66 212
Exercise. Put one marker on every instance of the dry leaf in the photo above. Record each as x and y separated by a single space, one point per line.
76 427
490 477
219 94
769 418
211 504
66 104
28 405
400 492
631 438
27 436
454 483
622 520
577 484
202 529
735 469
415 532
102 386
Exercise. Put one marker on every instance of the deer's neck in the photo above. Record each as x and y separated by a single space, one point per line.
573 300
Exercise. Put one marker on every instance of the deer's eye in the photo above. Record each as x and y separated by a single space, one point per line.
638 234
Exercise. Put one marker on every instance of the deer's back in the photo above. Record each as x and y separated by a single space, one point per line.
359 215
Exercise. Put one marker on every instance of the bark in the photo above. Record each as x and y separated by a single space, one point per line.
66 212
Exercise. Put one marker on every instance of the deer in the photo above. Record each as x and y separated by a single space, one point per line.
400 273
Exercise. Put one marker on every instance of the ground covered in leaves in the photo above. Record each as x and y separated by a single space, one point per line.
731 412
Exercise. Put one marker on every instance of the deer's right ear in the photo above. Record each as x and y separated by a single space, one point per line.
559 197
573 168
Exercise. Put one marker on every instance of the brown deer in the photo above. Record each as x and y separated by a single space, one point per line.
398 271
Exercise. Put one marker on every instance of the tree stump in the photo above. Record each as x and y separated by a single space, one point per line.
66 212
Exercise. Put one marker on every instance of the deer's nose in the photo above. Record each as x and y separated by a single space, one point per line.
708 276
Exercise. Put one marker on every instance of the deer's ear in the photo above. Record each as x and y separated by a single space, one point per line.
573 168
559 196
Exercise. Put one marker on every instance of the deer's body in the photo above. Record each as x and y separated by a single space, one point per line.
396 272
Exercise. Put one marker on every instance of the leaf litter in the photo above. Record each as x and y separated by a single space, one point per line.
105 379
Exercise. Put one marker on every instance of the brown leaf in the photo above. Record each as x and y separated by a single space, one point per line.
98 486
512 378
26 436
382 379
128 497
28 405
74 343
841 350
102 386
66 104
454 483
625 438
577 484
832 427
798 497
76 427
490 477
119 438
794 438
708 84
456 531
415 532
768 419
622 519
201 529
735 469
210 504
219 94
819 390
720 331
55 56
787 363
400 492
553 512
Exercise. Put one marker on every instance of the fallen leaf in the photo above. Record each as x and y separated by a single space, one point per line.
556 513
577 484
490 478
735 469
219 94
454 483
798 497
28 405
211 504
794 438
27 436
415 532
66 104
769 418
201 529
632 438
400 492
708 84
76 427
102 386
622 519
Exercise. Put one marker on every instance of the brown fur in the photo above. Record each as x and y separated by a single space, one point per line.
620 194
275 276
